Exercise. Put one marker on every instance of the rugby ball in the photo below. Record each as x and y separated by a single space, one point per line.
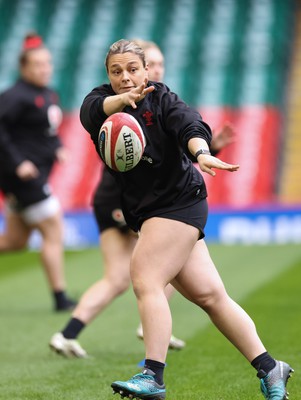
121 142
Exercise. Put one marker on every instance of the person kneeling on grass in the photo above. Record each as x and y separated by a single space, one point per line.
165 200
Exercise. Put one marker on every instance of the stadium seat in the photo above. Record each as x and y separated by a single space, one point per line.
227 55
290 183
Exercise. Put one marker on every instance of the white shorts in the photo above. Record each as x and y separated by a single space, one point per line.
37 212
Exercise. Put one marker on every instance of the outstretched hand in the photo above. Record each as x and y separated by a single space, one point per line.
138 93
223 137
207 162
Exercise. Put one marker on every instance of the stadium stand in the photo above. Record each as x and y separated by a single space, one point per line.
16 18
290 184
228 58
251 80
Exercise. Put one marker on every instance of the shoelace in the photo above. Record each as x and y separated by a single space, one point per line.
138 377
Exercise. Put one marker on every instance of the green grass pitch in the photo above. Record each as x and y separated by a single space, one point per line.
265 280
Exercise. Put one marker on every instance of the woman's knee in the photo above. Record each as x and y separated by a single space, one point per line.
122 286
119 283
147 278
16 243
51 228
147 287
211 298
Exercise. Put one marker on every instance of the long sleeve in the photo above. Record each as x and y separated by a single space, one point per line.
10 156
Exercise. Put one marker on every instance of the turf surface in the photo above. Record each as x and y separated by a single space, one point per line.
265 280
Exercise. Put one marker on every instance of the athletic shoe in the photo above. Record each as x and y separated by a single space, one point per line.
273 384
66 347
174 343
140 386
67 305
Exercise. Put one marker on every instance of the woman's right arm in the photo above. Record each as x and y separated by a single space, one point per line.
116 103
102 102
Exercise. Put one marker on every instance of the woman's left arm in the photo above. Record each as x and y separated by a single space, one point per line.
200 150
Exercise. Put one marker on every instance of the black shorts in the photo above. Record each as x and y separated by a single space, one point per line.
22 194
107 205
195 215
108 213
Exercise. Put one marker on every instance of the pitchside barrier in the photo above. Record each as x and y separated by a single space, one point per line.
258 226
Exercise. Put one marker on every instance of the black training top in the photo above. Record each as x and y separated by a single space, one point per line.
29 118
165 179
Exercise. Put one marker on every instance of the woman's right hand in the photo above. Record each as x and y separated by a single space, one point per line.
133 96
27 170
116 103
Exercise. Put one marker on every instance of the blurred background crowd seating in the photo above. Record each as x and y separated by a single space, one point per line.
235 60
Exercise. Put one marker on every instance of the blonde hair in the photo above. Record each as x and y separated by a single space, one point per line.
125 46
146 44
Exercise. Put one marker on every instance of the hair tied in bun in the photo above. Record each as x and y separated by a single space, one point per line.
32 42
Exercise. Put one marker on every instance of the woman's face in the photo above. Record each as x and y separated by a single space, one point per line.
38 67
125 72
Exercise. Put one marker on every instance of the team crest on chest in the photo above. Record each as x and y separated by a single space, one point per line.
148 116
55 116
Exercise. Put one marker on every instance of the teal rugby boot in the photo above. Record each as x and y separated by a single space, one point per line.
273 384
140 386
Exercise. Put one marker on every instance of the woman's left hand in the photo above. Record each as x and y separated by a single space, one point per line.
207 162
62 154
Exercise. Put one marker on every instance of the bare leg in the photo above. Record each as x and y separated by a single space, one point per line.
169 291
16 233
117 249
160 258
200 280
174 343
152 270
52 251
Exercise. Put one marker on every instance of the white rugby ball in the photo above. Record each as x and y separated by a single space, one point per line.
121 142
